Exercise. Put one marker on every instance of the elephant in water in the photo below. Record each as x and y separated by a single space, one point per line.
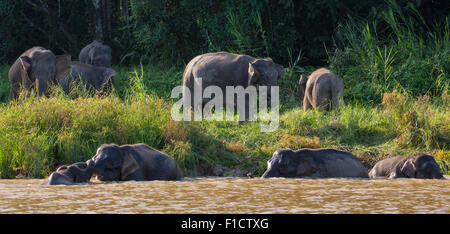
421 166
322 89
133 162
224 69
37 67
92 77
96 54
314 163
69 175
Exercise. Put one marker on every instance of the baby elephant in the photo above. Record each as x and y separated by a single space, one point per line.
314 163
133 162
322 89
92 77
69 175
422 166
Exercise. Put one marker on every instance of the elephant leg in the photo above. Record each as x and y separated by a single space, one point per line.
14 91
306 104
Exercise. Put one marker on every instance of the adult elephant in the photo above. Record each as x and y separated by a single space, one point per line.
90 76
421 166
133 162
97 54
36 67
314 163
322 89
224 69
69 175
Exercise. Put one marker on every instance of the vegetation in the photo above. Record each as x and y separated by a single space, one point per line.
394 64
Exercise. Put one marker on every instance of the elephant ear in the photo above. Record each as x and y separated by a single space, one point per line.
253 74
63 64
408 169
129 166
25 61
108 73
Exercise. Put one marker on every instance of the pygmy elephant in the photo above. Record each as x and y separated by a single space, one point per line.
68 175
224 69
421 166
133 162
322 89
36 67
314 163
92 77
96 54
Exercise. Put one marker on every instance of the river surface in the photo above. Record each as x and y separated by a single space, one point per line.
229 195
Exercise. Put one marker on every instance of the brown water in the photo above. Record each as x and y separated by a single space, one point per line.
229 195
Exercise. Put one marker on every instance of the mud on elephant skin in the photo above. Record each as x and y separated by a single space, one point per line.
322 89
69 175
97 54
314 163
37 67
137 162
421 166
224 69
91 77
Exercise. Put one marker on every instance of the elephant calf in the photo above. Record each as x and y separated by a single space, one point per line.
322 89
314 163
91 77
421 166
97 54
70 175
133 162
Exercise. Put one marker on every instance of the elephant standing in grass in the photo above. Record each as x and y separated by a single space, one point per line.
314 163
322 89
37 67
96 54
133 162
224 69
90 76
69 175
421 166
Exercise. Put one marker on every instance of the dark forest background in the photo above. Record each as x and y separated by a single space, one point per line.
174 31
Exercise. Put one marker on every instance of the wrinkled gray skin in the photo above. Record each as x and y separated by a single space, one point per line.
69 175
96 54
421 166
137 162
92 77
314 163
226 69
36 67
322 89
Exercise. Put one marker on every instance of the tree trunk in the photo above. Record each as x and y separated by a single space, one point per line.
99 21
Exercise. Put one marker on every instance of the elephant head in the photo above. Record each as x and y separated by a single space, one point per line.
264 72
423 166
302 81
39 66
96 54
287 163
113 163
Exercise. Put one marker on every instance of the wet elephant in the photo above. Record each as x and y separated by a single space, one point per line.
421 166
133 162
69 175
91 77
224 69
97 54
314 163
37 67
322 89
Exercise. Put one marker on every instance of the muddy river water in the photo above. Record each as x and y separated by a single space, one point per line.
229 195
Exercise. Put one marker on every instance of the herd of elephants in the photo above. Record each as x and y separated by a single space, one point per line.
38 68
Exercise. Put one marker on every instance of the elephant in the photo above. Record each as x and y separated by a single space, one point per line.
314 163
69 175
224 69
97 54
322 89
137 162
420 166
37 67
92 77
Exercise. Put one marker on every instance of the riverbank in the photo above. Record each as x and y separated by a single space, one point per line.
38 134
